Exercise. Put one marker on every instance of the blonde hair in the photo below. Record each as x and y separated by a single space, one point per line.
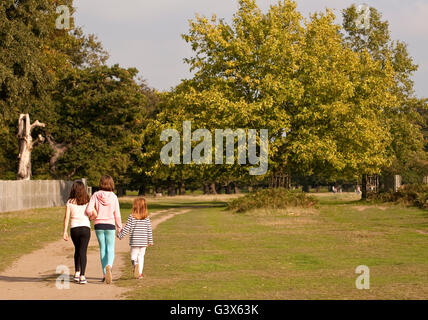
139 209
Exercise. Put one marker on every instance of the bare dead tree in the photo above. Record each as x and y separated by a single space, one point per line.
26 144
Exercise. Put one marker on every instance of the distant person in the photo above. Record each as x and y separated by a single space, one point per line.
333 189
106 204
140 235
80 228
358 190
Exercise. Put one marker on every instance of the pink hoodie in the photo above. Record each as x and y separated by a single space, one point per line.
107 206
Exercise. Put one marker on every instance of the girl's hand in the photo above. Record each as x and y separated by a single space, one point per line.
94 215
65 236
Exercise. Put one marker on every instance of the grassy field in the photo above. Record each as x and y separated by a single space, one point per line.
211 253
24 231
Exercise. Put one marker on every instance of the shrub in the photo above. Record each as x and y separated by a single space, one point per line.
272 199
411 194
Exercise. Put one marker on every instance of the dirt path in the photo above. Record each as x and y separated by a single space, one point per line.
33 276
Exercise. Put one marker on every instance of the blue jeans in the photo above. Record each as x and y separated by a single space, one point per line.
106 240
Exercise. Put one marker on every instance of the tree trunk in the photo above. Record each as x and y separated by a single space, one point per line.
206 188
305 187
212 188
171 188
229 188
224 188
59 150
158 190
26 145
121 191
218 188
142 190
182 189
364 187
236 189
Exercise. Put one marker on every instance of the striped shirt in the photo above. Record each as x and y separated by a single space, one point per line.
140 232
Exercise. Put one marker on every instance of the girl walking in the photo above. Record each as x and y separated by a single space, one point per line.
141 236
80 228
106 204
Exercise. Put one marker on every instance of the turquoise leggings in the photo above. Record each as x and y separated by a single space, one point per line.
106 240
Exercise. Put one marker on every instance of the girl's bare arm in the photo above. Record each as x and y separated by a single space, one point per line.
66 220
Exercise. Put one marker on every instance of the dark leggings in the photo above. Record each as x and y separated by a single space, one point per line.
80 237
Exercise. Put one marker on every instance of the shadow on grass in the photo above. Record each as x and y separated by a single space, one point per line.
172 204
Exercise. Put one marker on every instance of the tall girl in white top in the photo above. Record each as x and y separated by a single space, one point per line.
80 227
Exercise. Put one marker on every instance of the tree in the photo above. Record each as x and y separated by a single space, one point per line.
404 120
34 57
24 78
26 144
100 113
322 102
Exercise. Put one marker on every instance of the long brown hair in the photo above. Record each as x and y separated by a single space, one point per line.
78 193
106 183
139 209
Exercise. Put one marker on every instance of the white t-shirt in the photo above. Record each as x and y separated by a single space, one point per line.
78 218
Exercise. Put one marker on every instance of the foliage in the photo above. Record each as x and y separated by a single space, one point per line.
338 101
410 194
292 76
406 118
272 199
100 112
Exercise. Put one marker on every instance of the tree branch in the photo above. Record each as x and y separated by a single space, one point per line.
40 139
59 150
37 123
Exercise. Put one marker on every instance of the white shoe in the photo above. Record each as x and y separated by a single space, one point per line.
77 277
82 280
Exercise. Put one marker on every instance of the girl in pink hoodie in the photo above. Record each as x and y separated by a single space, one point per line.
106 204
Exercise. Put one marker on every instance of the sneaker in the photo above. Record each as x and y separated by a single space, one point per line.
83 280
141 276
136 271
77 276
108 274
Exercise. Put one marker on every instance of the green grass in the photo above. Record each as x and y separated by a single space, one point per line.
24 231
210 253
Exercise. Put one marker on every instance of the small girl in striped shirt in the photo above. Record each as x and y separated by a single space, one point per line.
140 237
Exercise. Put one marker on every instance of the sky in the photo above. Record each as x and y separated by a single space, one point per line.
147 34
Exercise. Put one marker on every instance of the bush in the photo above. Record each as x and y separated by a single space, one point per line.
272 199
411 194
